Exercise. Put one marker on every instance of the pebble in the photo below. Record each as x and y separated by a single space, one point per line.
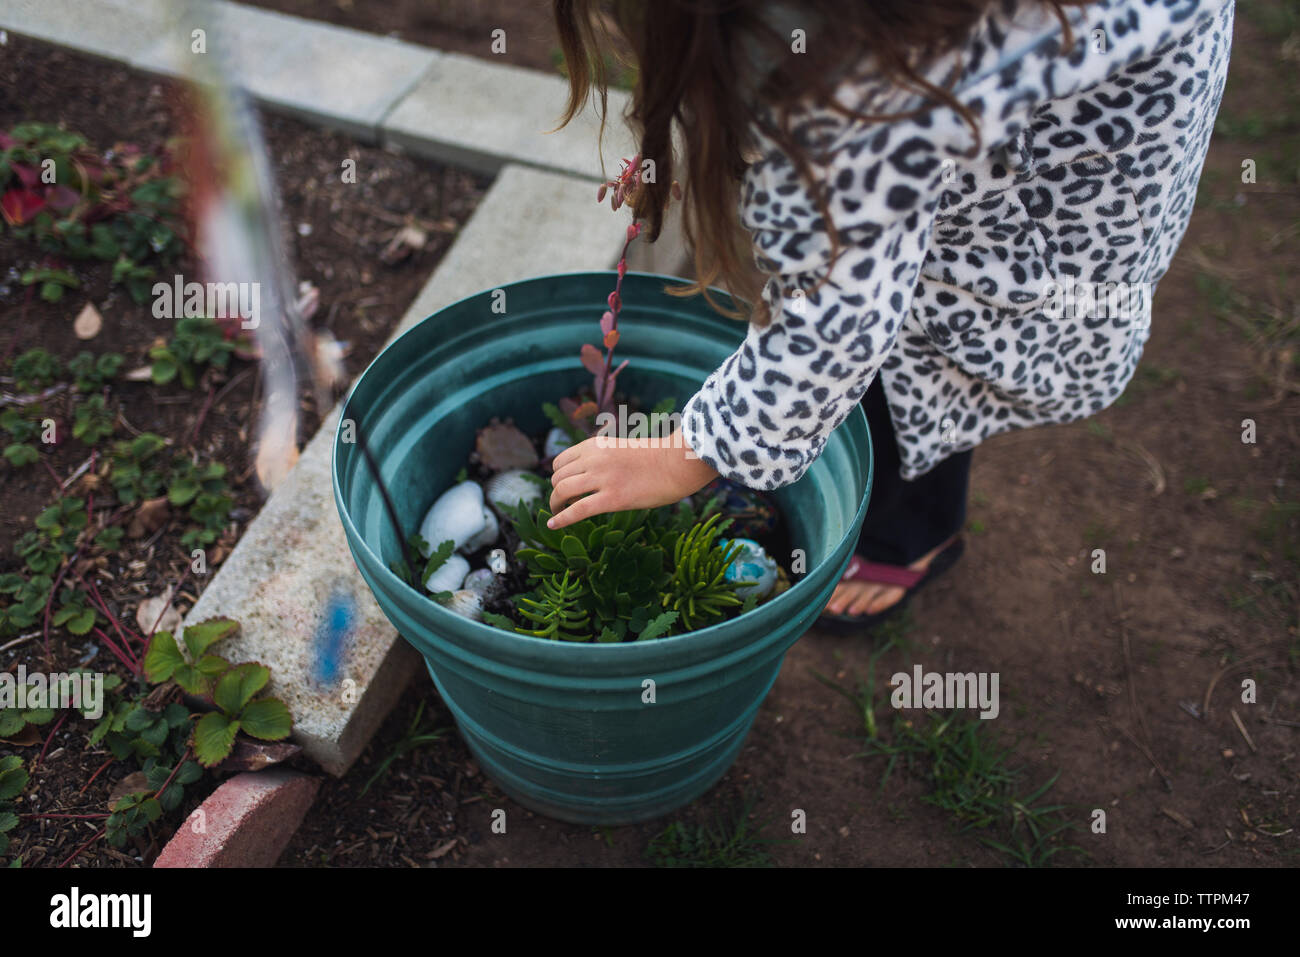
752 564
461 515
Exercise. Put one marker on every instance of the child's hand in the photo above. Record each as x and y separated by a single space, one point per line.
605 474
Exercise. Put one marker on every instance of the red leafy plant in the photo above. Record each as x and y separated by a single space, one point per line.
623 189
121 207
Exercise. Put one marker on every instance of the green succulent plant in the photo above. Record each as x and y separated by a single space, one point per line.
634 575
698 590
556 610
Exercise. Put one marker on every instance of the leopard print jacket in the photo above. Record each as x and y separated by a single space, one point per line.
991 294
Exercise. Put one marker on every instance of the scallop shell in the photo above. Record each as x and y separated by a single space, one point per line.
512 488
458 514
449 575
752 564
467 604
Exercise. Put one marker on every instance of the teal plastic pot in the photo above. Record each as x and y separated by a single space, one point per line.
590 733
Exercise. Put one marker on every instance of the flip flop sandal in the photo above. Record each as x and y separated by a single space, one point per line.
880 574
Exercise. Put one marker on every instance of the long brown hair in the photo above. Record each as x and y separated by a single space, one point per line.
693 65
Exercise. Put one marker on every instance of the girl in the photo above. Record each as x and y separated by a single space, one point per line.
959 211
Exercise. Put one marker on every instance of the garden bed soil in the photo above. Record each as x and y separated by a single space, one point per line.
335 231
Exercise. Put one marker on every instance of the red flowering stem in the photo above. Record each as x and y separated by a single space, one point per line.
98 599
615 306
117 652
53 731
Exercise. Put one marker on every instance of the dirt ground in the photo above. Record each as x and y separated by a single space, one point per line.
336 231
1103 676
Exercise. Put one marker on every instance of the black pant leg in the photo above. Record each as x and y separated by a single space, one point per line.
907 519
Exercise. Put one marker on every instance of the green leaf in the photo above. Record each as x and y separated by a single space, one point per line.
268 719
574 551
498 621
20 454
658 626
11 722
140 718
188 774
214 737
152 809
8 821
82 623
238 685
197 679
163 370
200 637
163 657
156 733
12 783
437 558
183 490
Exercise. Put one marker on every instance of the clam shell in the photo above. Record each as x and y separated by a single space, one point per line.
458 514
511 488
467 604
491 529
449 575
752 564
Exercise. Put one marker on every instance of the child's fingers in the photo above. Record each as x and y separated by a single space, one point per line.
572 487
567 456
575 467
582 508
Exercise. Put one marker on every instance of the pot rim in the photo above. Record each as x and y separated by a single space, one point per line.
511 641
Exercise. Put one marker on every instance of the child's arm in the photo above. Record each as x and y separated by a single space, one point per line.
764 416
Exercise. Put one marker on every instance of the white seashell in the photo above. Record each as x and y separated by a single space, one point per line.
491 529
482 581
449 575
479 580
557 440
467 604
458 514
752 564
497 561
512 488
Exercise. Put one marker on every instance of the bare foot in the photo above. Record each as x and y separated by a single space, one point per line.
871 598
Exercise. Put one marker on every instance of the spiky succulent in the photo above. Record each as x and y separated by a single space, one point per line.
698 589
556 610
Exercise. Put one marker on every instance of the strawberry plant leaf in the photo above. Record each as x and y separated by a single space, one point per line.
197 679
163 657
238 685
268 719
198 638
214 737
